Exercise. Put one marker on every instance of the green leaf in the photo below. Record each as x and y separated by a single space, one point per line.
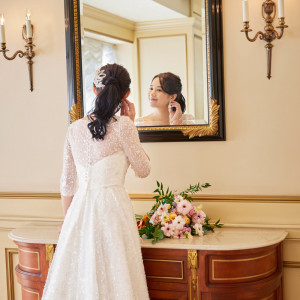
157 183
158 233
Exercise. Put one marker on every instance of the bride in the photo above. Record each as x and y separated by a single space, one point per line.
98 255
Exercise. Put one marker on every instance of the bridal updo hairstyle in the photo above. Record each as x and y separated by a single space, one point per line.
114 85
171 84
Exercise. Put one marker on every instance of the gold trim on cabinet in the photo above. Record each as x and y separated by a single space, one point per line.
269 297
238 260
38 294
166 260
38 260
9 252
193 266
49 253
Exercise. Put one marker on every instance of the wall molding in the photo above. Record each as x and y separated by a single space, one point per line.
149 197
29 219
291 264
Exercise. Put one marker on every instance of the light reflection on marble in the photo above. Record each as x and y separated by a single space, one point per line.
221 239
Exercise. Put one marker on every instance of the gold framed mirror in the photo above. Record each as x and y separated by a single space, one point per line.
197 29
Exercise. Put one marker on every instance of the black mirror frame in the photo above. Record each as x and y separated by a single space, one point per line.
162 134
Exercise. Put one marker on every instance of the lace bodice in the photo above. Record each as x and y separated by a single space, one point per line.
81 152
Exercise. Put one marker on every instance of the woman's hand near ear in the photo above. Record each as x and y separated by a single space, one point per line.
175 117
128 109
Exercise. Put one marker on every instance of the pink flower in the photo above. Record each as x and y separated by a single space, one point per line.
168 230
163 208
186 229
154 219
199 217
183 207
192 211
179 235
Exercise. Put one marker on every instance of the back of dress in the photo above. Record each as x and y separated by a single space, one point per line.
82 153
98 255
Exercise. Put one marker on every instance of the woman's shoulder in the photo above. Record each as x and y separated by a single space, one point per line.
125 122
188 117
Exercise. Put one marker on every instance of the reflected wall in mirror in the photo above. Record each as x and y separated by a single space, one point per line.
151 37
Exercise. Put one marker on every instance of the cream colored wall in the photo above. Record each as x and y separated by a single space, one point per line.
154 60
260 156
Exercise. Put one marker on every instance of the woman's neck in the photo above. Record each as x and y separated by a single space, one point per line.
160 115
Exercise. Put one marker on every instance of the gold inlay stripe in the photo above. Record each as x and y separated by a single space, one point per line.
38 259
38 295
269 297
168 261
239 260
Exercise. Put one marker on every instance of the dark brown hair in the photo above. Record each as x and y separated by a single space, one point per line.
171 84
109 98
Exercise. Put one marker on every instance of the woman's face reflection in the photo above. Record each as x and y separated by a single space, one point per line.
157 97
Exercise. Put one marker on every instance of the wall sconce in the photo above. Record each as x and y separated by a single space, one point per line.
27 36
270 34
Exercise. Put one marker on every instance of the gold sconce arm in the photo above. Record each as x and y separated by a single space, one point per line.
28 53
270 34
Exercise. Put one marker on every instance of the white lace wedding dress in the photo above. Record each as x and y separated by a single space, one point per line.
98 255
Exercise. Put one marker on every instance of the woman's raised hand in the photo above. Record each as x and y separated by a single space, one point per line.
175 116
128 109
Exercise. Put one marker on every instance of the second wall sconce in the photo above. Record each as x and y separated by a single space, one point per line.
27 36
270 34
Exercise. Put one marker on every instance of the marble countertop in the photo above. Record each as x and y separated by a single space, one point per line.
221 239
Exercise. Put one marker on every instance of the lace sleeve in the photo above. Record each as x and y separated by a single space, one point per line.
69 176
132 147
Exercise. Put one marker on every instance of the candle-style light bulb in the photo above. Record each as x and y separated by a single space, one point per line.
28 25
280 9
245 11
2 29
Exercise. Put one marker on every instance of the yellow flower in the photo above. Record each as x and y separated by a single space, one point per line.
187 219
165 218
172 216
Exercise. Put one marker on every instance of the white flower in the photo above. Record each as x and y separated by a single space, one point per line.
198 229
178 198
179 222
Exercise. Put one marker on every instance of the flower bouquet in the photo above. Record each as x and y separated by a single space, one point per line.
174 216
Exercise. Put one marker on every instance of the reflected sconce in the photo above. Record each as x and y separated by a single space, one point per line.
27 36
270 34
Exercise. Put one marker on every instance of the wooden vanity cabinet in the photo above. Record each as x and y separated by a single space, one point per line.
254 274
230 264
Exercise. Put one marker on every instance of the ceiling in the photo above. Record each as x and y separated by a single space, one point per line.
136 10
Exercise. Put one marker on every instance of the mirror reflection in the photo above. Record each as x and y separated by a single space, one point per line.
162 44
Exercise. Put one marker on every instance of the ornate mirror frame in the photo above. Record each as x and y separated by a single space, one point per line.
213 131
